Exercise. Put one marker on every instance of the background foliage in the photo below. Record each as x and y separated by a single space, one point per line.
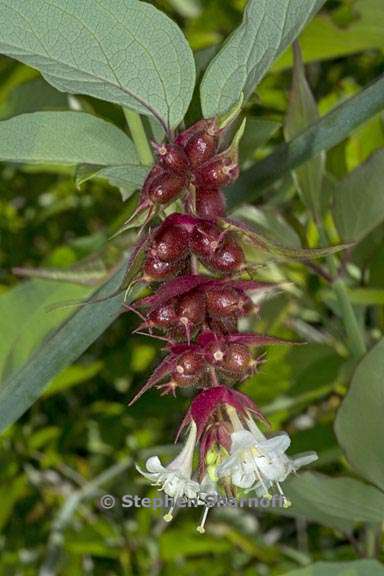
79 439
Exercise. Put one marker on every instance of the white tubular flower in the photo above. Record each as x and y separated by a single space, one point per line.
258 463
175 479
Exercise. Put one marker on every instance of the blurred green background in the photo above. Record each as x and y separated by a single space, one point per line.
82 427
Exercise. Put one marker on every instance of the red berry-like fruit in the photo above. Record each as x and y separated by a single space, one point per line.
205 239
218 172
214 353
171 244
173 157
201 147
155 172
222 303
209 126
191 308
163 317
237 360
189 369
228 258
210 203
166 187
156 270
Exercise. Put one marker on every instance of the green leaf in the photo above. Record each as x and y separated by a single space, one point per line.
257 132
314 495
62 348
359 199
33 96
322 135
354 568
64 138
266 30
26 321
323 39
302 112
359 424
122 51
128 178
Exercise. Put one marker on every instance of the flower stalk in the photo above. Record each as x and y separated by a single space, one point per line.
195 262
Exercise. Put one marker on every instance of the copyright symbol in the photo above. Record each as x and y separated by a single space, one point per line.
107 502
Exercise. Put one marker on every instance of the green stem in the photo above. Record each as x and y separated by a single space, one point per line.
355 337
139 136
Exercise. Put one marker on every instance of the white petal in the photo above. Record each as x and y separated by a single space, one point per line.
183 462
191 489
279 443
154 478
304 459
243 479
226 467
154 465
242 440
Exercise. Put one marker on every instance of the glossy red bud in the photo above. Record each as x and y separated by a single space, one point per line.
164 317
214 353
191 308
237 359
222 302
189 368
173 157
207 125
201 147
155 172
205 239
170 244
218 172
210 203
166 187
156 270
228 258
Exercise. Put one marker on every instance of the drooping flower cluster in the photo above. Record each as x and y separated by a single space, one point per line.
195 261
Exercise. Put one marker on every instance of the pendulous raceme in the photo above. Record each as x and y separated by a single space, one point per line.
195 262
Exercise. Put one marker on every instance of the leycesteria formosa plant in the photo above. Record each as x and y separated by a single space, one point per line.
195 263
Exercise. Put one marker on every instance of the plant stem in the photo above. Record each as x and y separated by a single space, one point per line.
139 136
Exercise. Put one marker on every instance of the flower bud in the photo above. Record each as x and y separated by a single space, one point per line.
173 158
166 187
210 203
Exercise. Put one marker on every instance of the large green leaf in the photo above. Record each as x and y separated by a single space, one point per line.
59 350
359 199
323 39
346 499
355 568
25 319
322 135
64 138
360 423
122 51
266 30
302 112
